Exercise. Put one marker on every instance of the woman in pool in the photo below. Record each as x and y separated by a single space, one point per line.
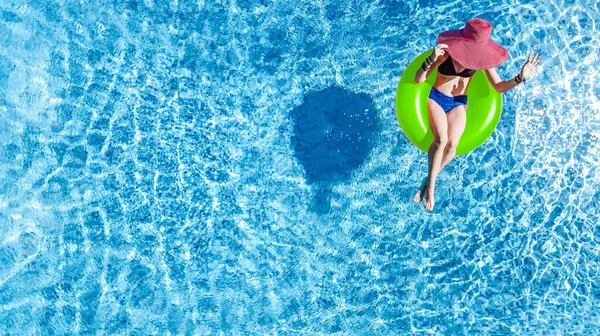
456 57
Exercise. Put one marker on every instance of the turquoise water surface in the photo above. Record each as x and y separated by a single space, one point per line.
236 168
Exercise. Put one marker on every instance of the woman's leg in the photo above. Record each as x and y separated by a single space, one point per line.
439 125
421 192
457 119
437 120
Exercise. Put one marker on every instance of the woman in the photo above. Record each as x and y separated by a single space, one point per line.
458 54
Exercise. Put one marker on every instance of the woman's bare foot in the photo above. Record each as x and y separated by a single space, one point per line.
420 193
429 199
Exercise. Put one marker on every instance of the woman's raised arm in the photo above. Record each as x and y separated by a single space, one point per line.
527 72
436 58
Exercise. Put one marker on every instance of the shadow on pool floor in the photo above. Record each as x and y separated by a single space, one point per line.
334 131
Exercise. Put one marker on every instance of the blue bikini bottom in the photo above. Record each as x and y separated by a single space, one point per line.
446 102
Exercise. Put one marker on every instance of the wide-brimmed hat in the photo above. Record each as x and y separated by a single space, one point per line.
472 46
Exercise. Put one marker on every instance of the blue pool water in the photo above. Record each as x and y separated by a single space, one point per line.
223 167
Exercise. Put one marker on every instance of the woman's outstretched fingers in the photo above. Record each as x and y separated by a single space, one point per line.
535 60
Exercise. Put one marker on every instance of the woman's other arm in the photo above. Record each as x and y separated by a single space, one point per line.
438 55
526 73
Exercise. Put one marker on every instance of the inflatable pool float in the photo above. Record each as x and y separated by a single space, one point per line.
484 108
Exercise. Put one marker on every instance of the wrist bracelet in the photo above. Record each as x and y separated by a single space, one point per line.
518 79
424 67
429 60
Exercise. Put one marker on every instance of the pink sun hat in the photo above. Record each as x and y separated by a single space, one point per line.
472 46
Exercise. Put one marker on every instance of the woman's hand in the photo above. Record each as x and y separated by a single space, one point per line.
529 67
438 51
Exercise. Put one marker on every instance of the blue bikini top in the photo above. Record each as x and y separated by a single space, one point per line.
447 68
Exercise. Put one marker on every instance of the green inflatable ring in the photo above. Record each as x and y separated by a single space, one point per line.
483 109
